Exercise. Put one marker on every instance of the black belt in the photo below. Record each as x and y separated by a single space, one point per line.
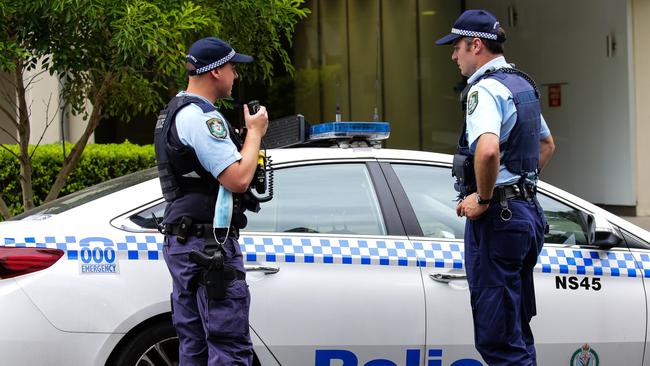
201 231
502 193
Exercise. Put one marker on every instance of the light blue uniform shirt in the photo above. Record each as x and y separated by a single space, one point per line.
494 113
215 154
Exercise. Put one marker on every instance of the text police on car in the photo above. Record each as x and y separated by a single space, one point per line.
197 152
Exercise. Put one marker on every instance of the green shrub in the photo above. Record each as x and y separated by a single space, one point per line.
98 163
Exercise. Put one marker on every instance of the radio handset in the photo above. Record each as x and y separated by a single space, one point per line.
260 180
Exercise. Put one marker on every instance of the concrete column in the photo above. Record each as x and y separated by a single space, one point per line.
641 33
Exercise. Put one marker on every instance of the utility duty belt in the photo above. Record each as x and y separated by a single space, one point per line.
186 228
513 191
502 194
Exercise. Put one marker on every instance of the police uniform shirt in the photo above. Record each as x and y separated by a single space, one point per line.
491 109
213 146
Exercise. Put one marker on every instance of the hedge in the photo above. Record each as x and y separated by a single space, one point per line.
98 163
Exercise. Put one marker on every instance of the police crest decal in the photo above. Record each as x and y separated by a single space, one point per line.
584 356
472 102
217 128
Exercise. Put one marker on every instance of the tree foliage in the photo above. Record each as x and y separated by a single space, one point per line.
119 55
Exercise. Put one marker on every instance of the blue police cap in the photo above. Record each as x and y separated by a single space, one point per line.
211 52
473 23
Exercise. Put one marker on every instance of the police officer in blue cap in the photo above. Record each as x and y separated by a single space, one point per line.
197 150
504 144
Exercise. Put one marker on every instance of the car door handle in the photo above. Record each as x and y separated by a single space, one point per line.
446 277
265 269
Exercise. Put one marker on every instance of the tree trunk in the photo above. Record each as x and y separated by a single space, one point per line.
24 132
4 210
71 161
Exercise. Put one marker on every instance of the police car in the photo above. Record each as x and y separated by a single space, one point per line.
356 261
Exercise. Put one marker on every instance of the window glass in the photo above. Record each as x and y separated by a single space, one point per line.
73 200
566 224
431 193
328 198
145 218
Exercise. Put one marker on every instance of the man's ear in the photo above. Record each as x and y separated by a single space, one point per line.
478 45
216 73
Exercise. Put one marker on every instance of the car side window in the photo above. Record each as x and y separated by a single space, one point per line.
325 198
145 218
430 190
567 225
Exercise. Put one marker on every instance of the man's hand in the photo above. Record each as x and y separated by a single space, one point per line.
258 122
470 208
238 175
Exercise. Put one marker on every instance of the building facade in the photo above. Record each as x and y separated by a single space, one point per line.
376 59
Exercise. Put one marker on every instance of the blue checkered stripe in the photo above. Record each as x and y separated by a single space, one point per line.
590 262
133 247
357 251
351 251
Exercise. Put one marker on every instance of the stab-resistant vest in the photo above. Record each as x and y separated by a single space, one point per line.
520 152
190 189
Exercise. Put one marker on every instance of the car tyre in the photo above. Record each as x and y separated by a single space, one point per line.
156 345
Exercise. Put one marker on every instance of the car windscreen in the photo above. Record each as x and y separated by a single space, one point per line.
73 200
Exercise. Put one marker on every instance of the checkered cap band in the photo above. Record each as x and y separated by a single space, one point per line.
215 64
466 33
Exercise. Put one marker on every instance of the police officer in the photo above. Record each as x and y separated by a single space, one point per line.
504 144
197 150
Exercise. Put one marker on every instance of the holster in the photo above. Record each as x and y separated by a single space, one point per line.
213 275
463 171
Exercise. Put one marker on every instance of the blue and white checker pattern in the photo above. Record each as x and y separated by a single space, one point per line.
130 247
588 262
468 33
356 251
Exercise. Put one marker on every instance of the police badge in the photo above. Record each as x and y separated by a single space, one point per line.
217 127
472 102
584 356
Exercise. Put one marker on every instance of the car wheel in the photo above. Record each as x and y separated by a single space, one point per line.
156 345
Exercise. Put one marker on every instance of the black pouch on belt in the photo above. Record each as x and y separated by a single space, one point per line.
213 274
463 170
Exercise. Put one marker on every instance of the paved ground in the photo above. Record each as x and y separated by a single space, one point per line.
642 221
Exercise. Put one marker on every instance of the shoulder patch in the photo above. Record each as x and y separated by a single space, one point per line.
472 102
217 127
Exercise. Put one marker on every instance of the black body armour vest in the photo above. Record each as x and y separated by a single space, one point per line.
190 189
520 152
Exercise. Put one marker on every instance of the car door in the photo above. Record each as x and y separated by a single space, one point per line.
590 301
333 278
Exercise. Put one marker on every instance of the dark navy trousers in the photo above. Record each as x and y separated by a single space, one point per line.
210 332
499 257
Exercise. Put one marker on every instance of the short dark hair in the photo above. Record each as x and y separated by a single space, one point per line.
494 46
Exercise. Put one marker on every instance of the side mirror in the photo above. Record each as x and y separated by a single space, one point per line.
600 233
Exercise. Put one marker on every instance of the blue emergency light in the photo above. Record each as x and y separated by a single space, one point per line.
295 131
350 130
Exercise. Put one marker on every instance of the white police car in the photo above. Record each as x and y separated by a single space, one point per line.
357 261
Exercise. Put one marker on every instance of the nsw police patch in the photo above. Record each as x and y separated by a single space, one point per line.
217 127
472 102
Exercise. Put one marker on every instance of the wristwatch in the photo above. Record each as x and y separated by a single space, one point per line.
481 201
